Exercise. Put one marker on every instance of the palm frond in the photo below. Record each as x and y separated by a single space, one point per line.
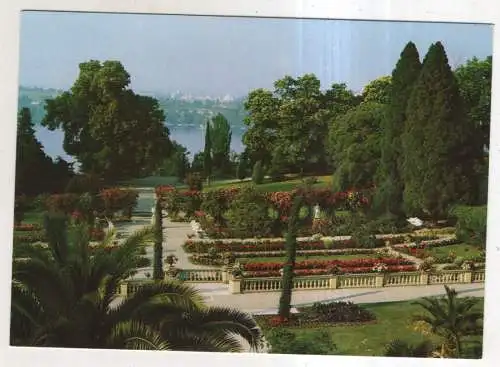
135 335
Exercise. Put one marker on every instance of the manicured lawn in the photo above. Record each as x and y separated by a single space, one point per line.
151 181
288 185
33 217
302 258
394 321
461 250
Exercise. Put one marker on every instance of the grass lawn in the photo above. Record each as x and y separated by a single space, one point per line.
151 181
461 250
33 217
268 186
394 321
302 258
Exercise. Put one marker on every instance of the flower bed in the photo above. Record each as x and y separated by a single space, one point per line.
30 237
194 246
335 313
28 227
341 271
324 267
446 241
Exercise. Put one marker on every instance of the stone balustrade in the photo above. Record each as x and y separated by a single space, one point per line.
319 282
373 280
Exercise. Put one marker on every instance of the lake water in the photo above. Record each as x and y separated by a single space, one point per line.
192 137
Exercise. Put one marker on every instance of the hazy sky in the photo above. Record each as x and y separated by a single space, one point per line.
217 56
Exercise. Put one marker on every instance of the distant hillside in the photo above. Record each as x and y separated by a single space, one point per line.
179 111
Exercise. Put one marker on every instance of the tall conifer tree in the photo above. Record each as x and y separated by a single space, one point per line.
207 153
439 147
390 182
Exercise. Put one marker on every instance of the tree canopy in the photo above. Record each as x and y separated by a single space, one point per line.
111 131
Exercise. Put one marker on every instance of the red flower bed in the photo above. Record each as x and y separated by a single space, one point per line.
96 234
349 270
325 264
27 227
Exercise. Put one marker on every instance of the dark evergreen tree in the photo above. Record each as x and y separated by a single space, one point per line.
207 153
390 184
158 245
291 252
439 143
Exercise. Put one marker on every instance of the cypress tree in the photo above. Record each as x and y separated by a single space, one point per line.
389 176
158 245
439 144
207 153
288 268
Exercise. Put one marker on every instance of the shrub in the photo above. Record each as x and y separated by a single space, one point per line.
249 214
194 181
21 205
118 199
471 224
258 173
335 312
82 183
63 203
286 342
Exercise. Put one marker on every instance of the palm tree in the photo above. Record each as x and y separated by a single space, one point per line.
64 295
401 348
451 318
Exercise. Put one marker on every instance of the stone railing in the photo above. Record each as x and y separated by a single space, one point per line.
202 275
374 280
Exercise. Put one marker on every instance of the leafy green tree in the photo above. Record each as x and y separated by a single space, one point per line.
36 173
291 253
390 185
177 164
197 162
248 215
474 81
207 153
354 140
258 173
221 143
440 146
242 168
64 296
451 318
378 90
111 131
158 244
262 121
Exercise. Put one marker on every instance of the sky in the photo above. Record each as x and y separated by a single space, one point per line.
217 56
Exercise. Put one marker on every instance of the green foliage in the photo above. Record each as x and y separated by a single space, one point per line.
452 319
440 146
474 80
284 341
471 224
378 91
258 173
194 181
242 168
249 214
401 348
390 185
111 131
158 244
70 286
291 253
207 152
287 126
21 206
36 173
220 144
354 140
82 183
177 164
